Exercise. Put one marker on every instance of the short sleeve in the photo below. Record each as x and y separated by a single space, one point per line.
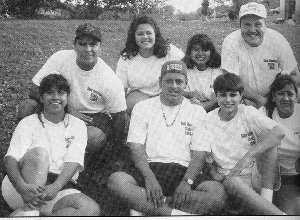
259 120
287 60
175 53
76 151
22 139
138 125
198 142
121 71
51 65
115 95
229 57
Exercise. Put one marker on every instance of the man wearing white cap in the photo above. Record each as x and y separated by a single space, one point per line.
257 54
168 155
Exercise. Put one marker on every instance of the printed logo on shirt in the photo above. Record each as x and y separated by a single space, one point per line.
297 133
188 128
69 141
250 137
95 95
272 64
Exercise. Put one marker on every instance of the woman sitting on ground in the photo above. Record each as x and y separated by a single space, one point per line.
281 106
44 157
203 62
141 60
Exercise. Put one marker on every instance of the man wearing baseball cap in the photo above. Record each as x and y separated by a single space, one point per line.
257 54
164 139
97 95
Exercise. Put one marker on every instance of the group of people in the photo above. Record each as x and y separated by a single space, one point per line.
207 132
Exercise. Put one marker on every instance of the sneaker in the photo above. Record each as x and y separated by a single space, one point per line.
21 212
135 213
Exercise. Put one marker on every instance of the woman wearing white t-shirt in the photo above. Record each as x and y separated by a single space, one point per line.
140 63
44 158
281 106
203 63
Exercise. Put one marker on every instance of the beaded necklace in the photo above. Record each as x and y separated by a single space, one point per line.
165 118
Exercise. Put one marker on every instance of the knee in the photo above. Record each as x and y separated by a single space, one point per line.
216 193
96 138
115 181
88 207
231 183
36 156
27 107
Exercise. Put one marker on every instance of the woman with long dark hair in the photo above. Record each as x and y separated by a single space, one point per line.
141 60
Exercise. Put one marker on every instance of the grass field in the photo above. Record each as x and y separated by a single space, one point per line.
26 44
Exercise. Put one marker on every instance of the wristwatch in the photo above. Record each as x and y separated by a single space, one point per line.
189 181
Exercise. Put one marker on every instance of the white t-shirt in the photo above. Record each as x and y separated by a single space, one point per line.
289 150
65 141
167 144
231 140
202 80
139 73
258 66
97 90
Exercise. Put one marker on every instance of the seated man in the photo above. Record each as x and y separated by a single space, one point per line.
167 153
257 54
95 88
240 136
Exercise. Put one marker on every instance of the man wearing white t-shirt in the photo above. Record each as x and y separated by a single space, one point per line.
97 94
257 54
167 154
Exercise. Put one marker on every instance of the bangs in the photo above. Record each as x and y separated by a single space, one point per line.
54 81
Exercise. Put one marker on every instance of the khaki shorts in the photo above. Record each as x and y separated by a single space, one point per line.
15 201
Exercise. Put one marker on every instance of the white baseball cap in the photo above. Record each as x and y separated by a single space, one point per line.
253 8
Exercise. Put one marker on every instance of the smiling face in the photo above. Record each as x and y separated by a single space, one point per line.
285 100
173 85
88 50
228 102
200 56
145 36
253 29
54 101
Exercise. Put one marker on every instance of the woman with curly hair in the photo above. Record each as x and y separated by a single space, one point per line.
140 63
282 107
203 62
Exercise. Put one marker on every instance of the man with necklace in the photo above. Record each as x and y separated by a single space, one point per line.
165 176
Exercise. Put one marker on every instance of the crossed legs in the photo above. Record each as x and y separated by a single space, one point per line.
206 198
34 167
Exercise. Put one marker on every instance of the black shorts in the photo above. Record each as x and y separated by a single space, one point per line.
51 177
290 180
103 122
169 176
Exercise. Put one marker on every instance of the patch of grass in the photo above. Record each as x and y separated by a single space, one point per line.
26 45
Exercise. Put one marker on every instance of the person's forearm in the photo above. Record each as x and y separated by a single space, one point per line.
270 139
34 93
14 173
140 158
209 105
254 96
195 165
119 127
187 94
68 171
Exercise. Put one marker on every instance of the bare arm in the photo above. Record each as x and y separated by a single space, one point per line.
34 93
153 189
183 191
28 192
270 140
253 96
68 171
119 127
